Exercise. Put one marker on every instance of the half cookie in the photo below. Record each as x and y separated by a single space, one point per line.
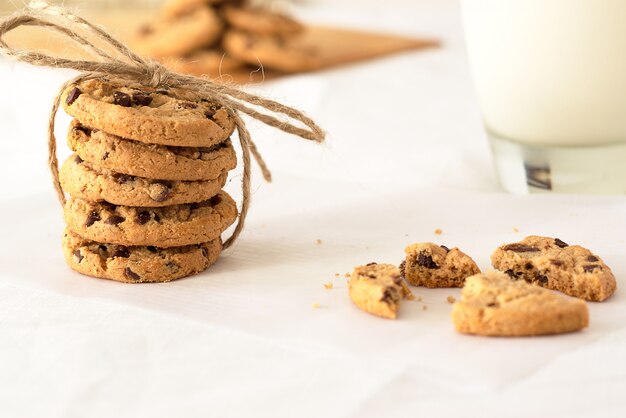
378 289
492 305
433 265
553 264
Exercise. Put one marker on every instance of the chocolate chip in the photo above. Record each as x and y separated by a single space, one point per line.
145 30
591 268
152 249
114 220
78 160
131 274
425 260
83 129
72 96
373 263
142 99
592 258
390 296
105 155
198 205
186 105
541 279
402 268
123 178
560 243
79 257
209 114
528 266
172 266
513 275
445 248
492 304
157 217
143 217
121 252
520 248
159 192
557 263
92 218
121 99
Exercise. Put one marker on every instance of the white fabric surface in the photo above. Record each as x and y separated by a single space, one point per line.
406 154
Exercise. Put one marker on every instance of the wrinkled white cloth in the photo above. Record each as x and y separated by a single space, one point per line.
406 155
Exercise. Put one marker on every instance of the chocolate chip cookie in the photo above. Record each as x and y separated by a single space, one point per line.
179 35
433 265
87 182
137 264
272 52
148 160
378 289
551 263
172 117
169 226
492 305
261 21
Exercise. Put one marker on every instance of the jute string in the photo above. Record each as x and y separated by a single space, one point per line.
125 66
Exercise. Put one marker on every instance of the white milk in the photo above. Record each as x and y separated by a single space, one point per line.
550 72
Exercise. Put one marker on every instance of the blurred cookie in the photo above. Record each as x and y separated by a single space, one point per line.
261 21
174 117
433 265
551 263
206 62
169 226
137 264
175 8
81 180
148 160
272 52
378 289
180 36
492 305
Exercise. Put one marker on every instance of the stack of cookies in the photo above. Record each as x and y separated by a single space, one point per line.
213 37
145 181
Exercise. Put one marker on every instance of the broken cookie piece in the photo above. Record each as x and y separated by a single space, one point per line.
553 264
433 265
378 289
493 305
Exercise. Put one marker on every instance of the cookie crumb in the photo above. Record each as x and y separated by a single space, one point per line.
438 231
411 297
316 305
418 298
451 299
346 275
515 229
337 274
318 241
328 285
424 307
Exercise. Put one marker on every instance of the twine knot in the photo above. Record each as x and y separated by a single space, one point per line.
131 68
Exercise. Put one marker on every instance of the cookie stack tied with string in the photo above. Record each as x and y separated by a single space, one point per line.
145 181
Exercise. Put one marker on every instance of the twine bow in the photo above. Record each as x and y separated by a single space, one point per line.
126 66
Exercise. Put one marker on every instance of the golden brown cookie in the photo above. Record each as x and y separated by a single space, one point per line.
170 226
137 264
272 52
81 180
433 265
378 289
148 160
492 305
173 9
174 117
187 32
551 263
261 21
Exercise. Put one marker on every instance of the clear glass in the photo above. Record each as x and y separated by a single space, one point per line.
551 82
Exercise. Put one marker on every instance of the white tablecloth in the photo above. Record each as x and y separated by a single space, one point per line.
406 155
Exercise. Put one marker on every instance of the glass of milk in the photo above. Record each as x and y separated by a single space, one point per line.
551 81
